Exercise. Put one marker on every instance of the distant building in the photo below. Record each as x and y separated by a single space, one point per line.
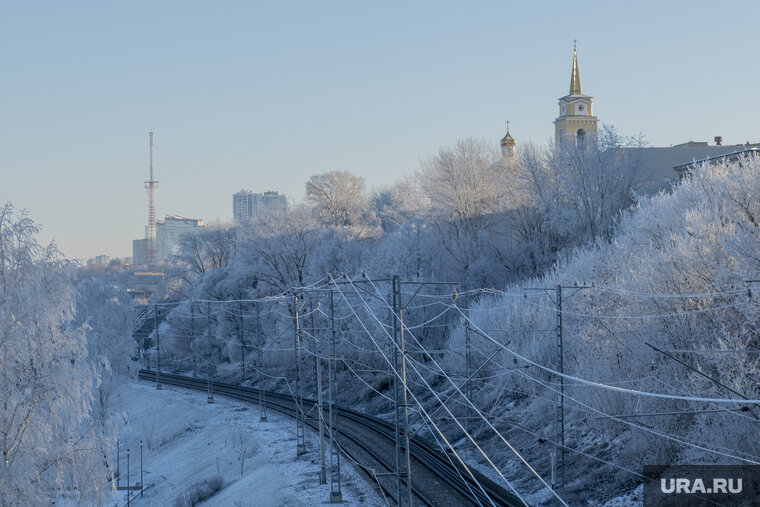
99 261
140 251
662 167
247 205
168 233
659 167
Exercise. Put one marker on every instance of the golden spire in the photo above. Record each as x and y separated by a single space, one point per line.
575 79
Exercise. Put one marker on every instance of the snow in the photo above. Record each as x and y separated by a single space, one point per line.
632 499
187 441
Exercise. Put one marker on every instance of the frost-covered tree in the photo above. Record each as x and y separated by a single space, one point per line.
279 246
467 189
106 313
398 204
51 446
580 192
205 249
671 274
338 197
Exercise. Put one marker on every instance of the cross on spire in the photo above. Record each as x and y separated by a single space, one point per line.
507 122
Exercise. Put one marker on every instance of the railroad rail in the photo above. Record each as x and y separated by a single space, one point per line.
437 479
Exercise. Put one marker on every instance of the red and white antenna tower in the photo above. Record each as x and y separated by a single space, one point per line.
150 230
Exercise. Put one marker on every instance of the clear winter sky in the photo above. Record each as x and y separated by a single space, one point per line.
261 95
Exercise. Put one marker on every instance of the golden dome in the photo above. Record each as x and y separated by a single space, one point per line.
507 140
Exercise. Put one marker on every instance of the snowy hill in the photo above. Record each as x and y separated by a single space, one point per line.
187 441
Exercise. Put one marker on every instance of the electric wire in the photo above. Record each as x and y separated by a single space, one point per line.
422 409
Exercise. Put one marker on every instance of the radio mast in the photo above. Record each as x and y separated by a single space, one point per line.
150 230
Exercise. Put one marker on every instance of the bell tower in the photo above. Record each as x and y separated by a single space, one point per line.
576 125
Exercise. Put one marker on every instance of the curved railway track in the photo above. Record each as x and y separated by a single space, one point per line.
437 479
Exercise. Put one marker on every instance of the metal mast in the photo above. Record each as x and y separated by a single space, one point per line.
150 230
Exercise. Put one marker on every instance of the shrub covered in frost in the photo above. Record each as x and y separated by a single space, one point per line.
200 492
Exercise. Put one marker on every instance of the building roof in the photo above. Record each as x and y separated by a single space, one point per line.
575 78
658 165
727 157
177 218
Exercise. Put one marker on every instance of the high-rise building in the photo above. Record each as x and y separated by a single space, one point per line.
168 233
140 251
247 205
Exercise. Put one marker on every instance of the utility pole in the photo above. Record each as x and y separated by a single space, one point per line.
335 494
145 344
468 386
209 390
192 338
318 389
242 342
142 486
314 345
128 486
300 431
259 338
158 347
559 438
320 415
558 459
400 401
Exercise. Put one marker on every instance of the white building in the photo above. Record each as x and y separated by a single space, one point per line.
247 205
168 233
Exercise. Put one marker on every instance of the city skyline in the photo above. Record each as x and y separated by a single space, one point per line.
262 97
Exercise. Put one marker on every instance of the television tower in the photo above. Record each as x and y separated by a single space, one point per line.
150 230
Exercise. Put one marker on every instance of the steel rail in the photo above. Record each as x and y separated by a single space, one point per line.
423 452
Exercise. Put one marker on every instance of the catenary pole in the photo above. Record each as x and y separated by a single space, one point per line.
468 367
335 494
158 347
209 389
241 336
403 468
559 441
300 430
128 485
320 416
318 388
192 338
260 340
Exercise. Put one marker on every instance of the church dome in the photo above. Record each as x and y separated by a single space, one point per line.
507 140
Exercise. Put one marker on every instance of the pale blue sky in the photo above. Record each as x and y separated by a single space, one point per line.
262 95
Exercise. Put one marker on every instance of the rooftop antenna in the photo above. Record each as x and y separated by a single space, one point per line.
150 230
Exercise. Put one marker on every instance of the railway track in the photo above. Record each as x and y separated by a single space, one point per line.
437 480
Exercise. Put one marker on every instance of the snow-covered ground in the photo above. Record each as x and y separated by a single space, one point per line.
187 441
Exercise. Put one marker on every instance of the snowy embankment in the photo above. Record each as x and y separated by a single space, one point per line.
187 441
